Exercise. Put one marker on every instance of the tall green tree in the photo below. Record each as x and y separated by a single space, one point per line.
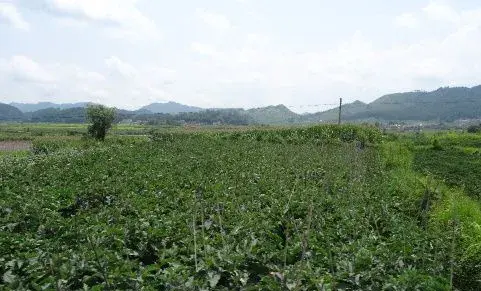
100 118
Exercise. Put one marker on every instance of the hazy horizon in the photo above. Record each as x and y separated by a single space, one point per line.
234 53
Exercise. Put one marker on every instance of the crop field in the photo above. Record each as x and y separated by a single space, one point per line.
30 131
309 208
456 159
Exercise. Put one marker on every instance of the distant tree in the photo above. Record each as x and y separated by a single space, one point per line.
474 128
100 118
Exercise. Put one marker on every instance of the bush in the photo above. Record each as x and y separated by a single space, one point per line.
474 128
436 145
45 147
101 118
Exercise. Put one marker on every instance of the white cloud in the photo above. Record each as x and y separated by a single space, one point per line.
214 20
203 49
90 76
406 20
118 83
441 12
356 67
120 67
24 69
10 14
120 18
246 67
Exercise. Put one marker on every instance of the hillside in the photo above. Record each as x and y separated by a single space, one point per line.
31 107
74 115
348 111
69 115
279 114
10 113
443 104
170 107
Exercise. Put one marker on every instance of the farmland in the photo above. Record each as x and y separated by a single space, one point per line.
303 208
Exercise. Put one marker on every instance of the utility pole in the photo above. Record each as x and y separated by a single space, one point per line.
340 109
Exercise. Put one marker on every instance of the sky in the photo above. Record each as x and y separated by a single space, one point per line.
234 53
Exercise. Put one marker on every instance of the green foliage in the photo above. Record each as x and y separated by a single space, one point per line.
474 128
436 145
205 117
100 119
45 147
308 208
31 131
320 134
461 215
315 208
415 280
457 163
455 166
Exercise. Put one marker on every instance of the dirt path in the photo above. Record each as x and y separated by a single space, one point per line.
17 145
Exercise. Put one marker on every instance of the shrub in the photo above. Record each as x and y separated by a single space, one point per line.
101 118
474 128
436 145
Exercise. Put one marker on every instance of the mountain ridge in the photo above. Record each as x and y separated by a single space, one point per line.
10 113
442 104
31 107
170 107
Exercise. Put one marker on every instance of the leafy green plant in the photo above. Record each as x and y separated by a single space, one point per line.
100 118
273 209
436 145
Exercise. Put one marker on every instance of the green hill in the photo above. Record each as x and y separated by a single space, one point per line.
170 107
443 104
10 113
279 114
70 115
31 107
348 110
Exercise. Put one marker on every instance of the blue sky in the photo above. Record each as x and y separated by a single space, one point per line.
234 53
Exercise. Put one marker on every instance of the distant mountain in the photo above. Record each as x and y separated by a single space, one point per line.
10 113
279 114
68 115
443 104
74 115
31 107
170 107
348 110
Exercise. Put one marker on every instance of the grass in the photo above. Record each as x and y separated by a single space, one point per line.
456 166
30 131
322 208
452 162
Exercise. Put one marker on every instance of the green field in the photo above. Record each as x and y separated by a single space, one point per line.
305 208
29 131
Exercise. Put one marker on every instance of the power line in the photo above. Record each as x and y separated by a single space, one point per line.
314 105
389 103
